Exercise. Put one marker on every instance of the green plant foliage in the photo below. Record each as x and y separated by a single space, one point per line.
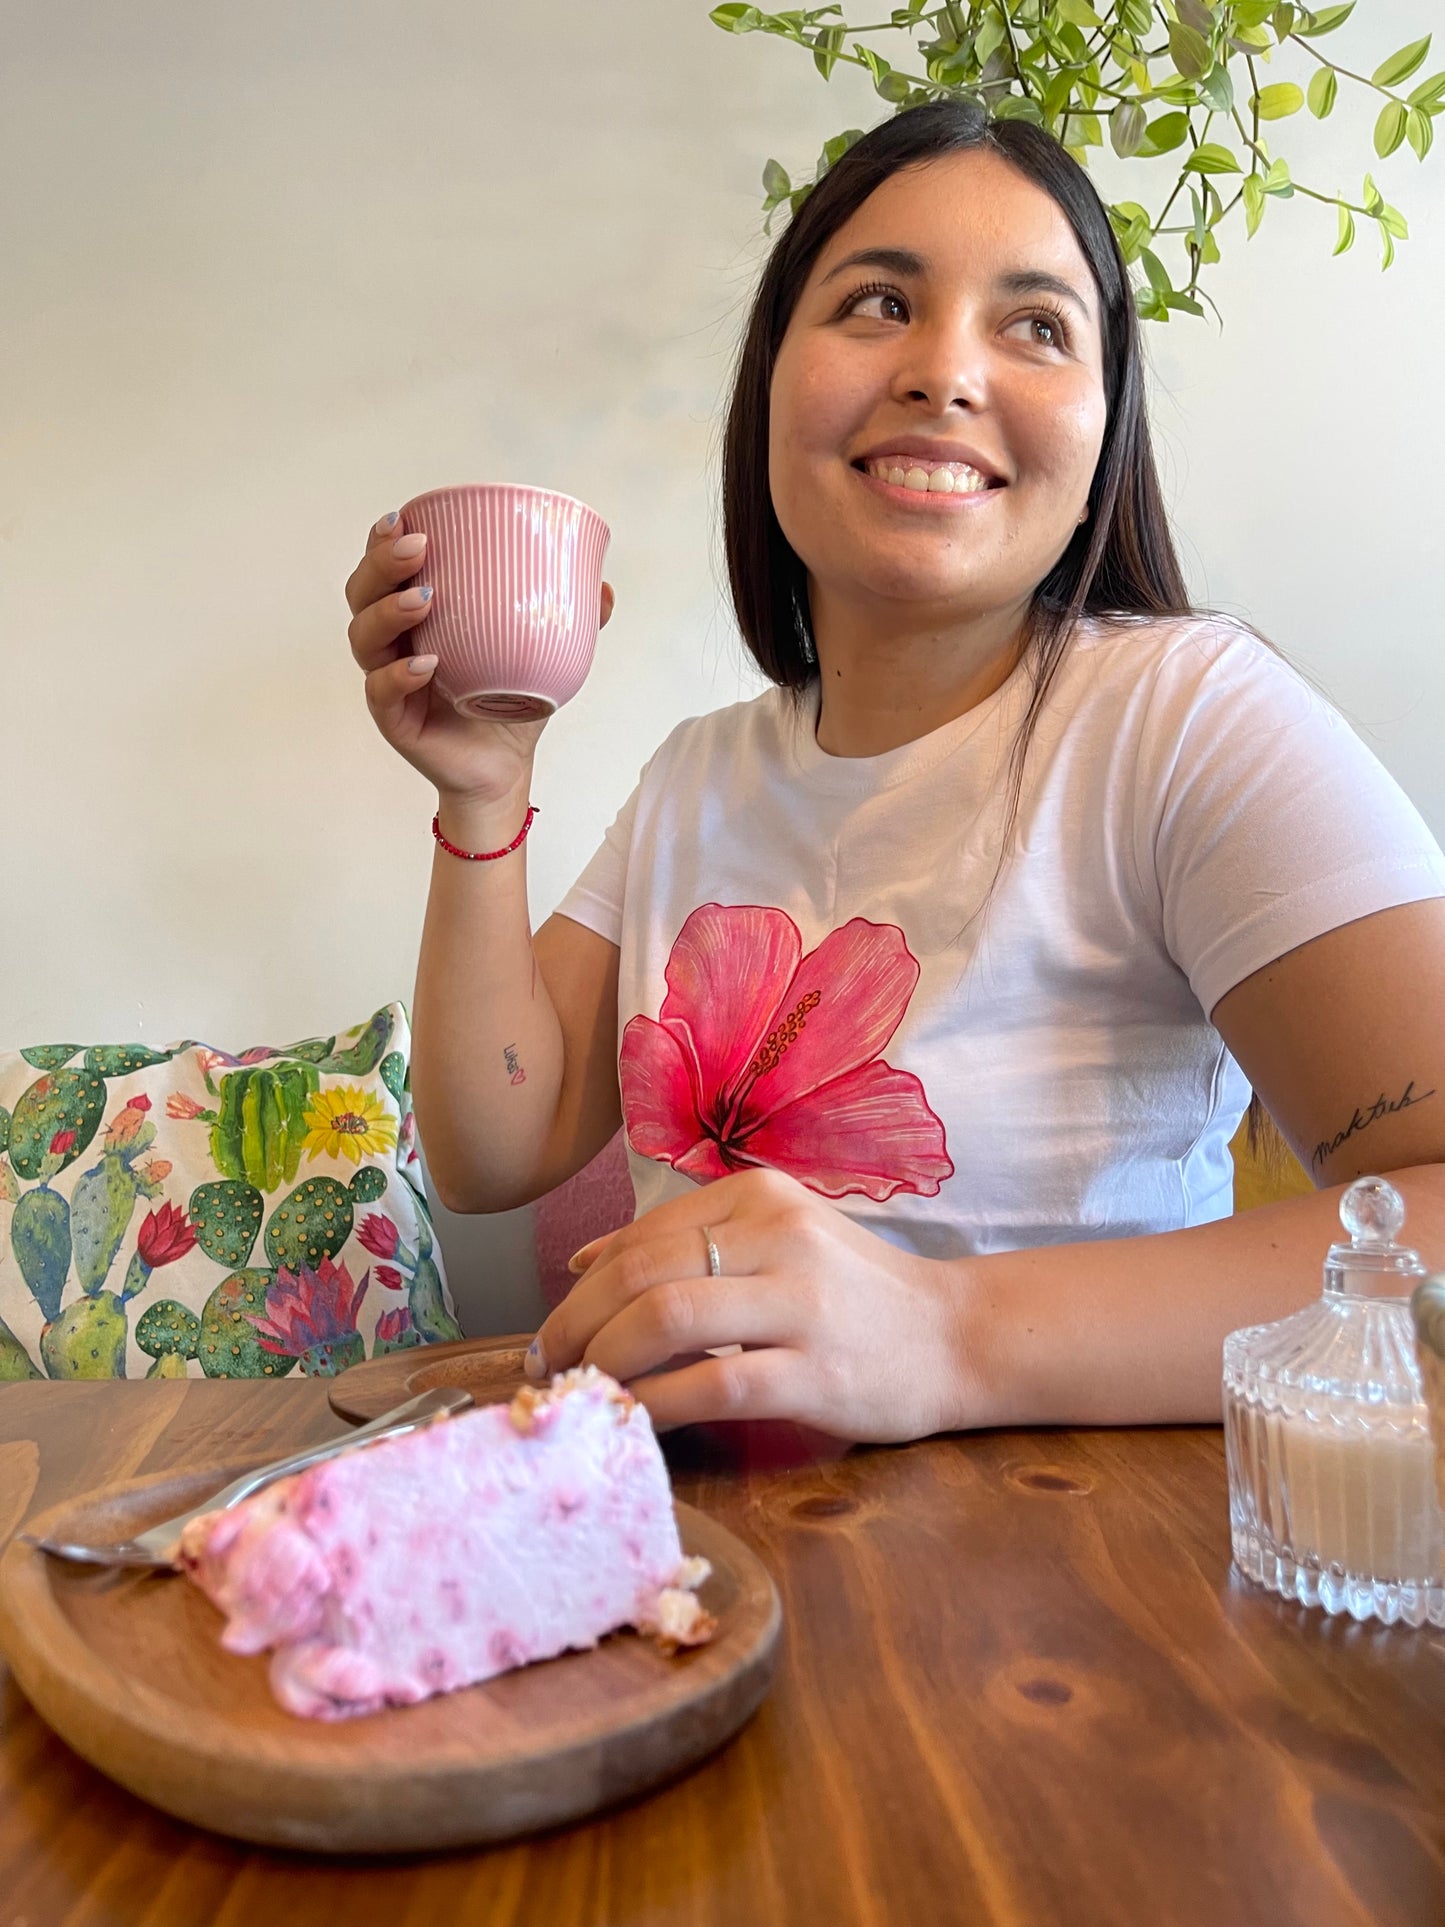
1184 87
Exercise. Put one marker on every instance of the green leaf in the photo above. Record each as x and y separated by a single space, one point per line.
1194 13
1282 21
1400 66
1394 222
1165 133
1347 231
1247 14
1217 88
827 46
894 88
1158 274
1138 17
1390 127
1181 303
1078 13
877 66
1211 158
1280 101
1388 248
1253 203
1429 91
1420 131
1322 92
1277 180
776 184
1126 128
1190 51
735 19
1019 107
835 149
1324 20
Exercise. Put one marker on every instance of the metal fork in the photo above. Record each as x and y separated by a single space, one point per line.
158 1546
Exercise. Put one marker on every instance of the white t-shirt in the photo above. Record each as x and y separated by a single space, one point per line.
809 980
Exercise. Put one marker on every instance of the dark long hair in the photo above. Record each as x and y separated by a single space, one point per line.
1121 560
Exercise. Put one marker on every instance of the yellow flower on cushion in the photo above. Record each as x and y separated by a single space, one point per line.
348 1122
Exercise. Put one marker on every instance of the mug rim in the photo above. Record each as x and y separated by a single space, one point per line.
507 488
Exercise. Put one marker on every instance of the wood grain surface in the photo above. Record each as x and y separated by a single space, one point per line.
1018 1687
490 1369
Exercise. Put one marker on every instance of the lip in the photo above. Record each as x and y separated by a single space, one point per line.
932 448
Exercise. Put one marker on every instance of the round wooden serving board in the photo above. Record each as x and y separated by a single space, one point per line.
128 1669
489 1368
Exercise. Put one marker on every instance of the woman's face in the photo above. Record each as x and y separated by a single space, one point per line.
937 403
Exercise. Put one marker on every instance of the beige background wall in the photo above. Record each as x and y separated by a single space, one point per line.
265 271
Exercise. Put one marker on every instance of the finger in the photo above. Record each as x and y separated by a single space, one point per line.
608 599
390 689
389 559
376 633
693 1315
630 1268
772 1383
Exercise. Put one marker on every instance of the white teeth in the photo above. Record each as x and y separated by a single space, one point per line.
944 478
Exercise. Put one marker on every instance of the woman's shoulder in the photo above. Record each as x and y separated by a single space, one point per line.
760 726
1168 670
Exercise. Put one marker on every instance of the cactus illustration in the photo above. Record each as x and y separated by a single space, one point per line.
119 1060
314 1221
62 1105
4 1130
311 1049
396 1077
170 1334
425 1296
50 1057
361 1058
227 1218
87 1340
15 1362
311 1314
40 1239
259 1130
227 1345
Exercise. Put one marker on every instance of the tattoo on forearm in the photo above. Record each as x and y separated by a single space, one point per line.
1382 1107
514 1064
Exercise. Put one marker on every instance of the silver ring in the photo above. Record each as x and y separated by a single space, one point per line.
714 1257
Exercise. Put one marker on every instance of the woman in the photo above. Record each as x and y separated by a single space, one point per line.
931 985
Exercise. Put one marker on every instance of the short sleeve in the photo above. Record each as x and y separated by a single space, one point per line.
1272 823
595 899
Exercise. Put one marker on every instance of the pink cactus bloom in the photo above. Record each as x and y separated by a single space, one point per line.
392 1326
156 1169
388 1277
179 1105
379 1235
62 1142
258 1054
164 1236
306 1309
765 1057
138 1103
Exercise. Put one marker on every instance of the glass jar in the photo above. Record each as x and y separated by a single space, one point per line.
1331 1463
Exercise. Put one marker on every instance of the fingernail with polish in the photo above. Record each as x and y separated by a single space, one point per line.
422 665
535 1364
414 599
388 522
406 546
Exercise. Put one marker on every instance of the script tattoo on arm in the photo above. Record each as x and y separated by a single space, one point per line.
1362 1120
514 1064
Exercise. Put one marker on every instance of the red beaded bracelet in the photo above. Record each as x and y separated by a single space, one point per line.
484 856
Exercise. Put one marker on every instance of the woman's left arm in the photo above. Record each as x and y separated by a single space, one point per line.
1343 1039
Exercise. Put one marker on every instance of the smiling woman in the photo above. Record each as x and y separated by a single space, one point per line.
930 987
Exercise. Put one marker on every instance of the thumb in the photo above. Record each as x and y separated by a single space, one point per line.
389 690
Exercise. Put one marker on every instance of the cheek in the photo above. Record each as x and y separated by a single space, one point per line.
1060 437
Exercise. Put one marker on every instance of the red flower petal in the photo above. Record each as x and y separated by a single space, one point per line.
870 1131
726 977
845 1001
656 1074
141 1103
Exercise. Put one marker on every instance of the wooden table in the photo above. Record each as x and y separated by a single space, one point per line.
1019 1685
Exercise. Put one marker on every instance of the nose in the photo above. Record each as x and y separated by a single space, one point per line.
944 367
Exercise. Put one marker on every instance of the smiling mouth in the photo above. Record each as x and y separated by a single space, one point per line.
927 478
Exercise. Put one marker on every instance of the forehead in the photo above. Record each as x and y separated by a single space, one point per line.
966 214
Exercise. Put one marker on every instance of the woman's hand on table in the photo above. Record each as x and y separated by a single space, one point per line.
840 1330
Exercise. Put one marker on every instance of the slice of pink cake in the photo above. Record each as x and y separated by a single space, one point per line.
418 1565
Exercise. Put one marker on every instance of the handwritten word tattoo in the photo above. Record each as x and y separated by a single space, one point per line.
514 1066
1362 1120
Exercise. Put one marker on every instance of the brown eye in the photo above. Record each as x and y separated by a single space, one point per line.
878 304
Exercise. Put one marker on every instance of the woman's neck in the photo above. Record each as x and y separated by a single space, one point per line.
882 684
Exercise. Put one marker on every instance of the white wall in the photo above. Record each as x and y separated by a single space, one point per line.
265 271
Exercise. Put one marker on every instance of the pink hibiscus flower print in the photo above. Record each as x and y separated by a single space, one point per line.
765 1057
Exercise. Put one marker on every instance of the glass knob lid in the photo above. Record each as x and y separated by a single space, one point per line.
1372 1264
1372 1211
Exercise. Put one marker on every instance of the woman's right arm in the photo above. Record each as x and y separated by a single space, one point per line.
514 1043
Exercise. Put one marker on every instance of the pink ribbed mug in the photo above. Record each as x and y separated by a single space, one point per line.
517 580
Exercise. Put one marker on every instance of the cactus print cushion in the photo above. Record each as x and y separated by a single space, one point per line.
187 1211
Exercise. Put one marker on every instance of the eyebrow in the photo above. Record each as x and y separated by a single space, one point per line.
906 264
